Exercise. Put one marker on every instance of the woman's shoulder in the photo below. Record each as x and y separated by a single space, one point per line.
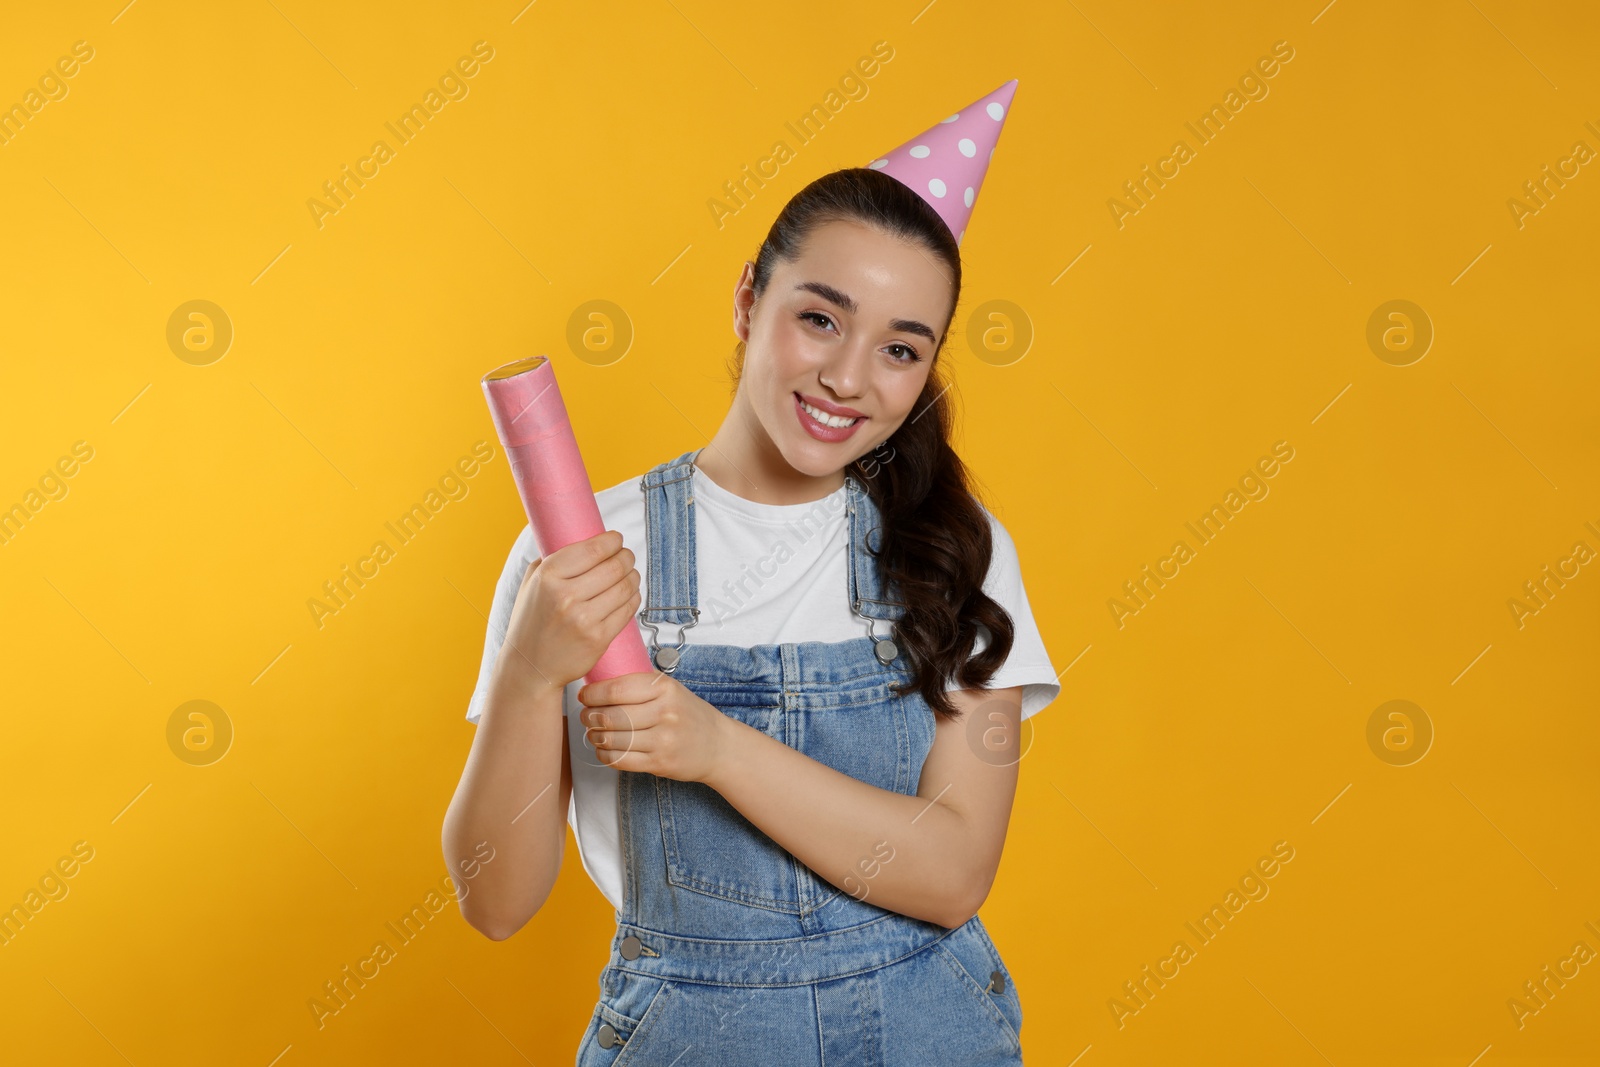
625 490
622 504
1003 549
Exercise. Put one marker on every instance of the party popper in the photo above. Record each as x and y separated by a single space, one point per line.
531 420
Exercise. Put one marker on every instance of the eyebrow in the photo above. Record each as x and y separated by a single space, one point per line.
844 300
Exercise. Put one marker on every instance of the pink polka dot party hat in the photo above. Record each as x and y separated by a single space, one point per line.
946 163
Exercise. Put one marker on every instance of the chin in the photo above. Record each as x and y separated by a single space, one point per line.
814 462
806 455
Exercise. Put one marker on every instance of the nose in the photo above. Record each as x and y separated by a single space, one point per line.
847 370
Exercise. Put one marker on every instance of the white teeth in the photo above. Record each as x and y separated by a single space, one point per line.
838 422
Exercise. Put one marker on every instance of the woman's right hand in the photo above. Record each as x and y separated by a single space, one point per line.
570 606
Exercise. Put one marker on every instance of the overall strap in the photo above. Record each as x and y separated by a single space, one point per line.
670 596
868 596
669 536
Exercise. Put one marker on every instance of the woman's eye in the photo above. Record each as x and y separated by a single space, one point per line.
908 354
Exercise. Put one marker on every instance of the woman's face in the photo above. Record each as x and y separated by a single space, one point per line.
850 328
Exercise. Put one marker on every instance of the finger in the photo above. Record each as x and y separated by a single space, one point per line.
617 568
620 596
614 572
624 689
617 741
569 561
620 716
605 617
625 608
623 761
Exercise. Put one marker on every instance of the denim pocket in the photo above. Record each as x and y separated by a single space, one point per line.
967 960
711 848
1011 1002
629 1006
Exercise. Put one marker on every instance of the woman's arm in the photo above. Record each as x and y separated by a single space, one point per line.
932 856
517 783
513 794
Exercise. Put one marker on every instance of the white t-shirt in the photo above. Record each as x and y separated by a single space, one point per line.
767 574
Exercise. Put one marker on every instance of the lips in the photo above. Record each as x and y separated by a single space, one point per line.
830 407
821 430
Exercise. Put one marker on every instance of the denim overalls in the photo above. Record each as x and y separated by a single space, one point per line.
729 950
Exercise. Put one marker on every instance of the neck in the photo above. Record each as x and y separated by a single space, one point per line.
742 459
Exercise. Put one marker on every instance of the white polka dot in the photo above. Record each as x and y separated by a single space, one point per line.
878 164
952 118
919 151
936 187
967 196
959 236
968 149
996 112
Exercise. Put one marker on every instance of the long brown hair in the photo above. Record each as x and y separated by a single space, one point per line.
936 540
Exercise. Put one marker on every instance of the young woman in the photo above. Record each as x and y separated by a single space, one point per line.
799 813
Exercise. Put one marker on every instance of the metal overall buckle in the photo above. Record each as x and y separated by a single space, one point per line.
666 659
883 647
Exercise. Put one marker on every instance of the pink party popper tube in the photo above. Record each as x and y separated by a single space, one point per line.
552 481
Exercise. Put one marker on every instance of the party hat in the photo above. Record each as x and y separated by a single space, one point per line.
945 164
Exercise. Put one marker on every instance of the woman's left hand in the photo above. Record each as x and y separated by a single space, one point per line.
649 721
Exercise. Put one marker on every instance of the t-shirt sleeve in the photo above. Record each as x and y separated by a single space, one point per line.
523 552
1028 664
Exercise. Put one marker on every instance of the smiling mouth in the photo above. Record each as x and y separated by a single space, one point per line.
833 422
823 426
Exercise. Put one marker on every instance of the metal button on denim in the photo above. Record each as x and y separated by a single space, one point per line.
997 981
607 1036
630 947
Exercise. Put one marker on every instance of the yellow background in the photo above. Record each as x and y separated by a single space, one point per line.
1228 314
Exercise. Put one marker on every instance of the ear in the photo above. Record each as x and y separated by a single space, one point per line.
744 298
